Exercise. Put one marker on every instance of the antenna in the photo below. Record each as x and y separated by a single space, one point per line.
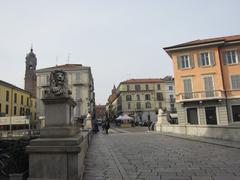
56 60
68 58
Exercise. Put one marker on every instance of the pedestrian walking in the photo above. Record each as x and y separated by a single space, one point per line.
95 127
107 126
149 125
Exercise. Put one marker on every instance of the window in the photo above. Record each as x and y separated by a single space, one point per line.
15 110
149 117
6 111
147 88
148 105
208 86
137 87
128 88
128 97
160 104
21 99
7 96
27 101
147 97
184 62
170 88
235 79
187 84
15 97
230 57
129 105
236 113
138 105
206 59
77 77
138 97
158 87
172 106
0 107
159 96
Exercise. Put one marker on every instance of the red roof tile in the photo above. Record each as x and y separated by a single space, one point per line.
133 81
64 66
205 41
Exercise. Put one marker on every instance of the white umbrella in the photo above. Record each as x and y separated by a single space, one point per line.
119 117
124 117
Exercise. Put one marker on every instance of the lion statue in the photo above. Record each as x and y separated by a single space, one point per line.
58 84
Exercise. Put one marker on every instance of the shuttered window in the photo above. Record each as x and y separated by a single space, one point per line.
184 61
208 85
206 59
231 57
187 84
235 81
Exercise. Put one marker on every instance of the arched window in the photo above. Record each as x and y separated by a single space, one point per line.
148 105
128 97
147 97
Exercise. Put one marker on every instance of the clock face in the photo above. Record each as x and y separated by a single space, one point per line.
30 67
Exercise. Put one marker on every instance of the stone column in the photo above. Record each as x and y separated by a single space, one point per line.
57 154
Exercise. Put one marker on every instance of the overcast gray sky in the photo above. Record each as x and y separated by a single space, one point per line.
119 39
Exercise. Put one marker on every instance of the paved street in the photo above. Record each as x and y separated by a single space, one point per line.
136 153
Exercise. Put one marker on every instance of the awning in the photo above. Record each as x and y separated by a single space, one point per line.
173 115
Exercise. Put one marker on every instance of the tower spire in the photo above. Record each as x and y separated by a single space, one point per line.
31 47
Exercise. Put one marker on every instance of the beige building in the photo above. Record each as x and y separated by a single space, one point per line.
80 82
141 98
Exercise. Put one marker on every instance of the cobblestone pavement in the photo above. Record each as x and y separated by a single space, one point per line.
126 154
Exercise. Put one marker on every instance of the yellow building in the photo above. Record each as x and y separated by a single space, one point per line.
17 107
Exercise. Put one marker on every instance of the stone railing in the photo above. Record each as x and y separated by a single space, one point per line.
201 95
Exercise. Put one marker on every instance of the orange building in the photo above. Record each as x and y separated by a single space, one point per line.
207 80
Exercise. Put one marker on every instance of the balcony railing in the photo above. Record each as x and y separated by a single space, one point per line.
201 95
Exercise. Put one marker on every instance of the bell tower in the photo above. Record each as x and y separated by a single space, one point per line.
30 73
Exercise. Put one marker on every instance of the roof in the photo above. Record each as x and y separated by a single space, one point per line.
221 40
150 80
64 67
6 84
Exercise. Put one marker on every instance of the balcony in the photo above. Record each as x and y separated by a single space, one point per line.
201 95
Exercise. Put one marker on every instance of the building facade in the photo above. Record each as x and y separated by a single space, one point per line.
80 82
100 112
141 98
207 80
30 73
17 107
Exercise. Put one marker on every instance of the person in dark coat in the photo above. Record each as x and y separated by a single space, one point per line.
149 124
107 126
95 127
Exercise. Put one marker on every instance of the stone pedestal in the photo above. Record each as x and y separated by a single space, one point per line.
88 121
58 153
162 120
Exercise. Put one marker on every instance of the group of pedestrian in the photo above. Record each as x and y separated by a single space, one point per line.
150 125
105 126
